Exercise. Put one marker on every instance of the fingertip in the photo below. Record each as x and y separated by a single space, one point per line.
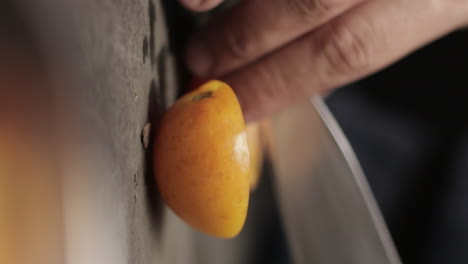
200 5
245 111
259 95
249 111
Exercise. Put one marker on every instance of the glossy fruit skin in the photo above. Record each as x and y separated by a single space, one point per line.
201 160
256 153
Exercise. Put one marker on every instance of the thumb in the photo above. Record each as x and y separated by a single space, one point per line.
200 5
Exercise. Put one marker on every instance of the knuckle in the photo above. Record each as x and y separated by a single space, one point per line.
346 51
238 45
275 86
311 10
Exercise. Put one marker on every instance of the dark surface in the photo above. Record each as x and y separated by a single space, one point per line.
111 73
408 126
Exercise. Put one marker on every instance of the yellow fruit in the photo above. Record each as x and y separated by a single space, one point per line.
201 160
256 153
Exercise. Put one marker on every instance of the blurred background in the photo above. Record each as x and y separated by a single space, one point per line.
407 125
79 80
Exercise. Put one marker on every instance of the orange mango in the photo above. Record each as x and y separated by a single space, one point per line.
201 160
256 153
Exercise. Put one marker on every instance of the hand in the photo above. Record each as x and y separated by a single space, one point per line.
275 52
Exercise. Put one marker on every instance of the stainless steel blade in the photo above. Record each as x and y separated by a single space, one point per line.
327 208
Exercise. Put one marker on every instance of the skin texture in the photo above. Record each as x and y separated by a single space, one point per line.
256 153
200 5
275 53
201 160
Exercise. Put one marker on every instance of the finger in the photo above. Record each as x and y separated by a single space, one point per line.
200 5
254 28
362 41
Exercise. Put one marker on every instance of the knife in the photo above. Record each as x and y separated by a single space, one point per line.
327 209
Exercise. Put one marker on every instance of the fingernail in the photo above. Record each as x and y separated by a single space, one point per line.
199 59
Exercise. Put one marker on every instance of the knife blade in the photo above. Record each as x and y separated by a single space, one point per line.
326 206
